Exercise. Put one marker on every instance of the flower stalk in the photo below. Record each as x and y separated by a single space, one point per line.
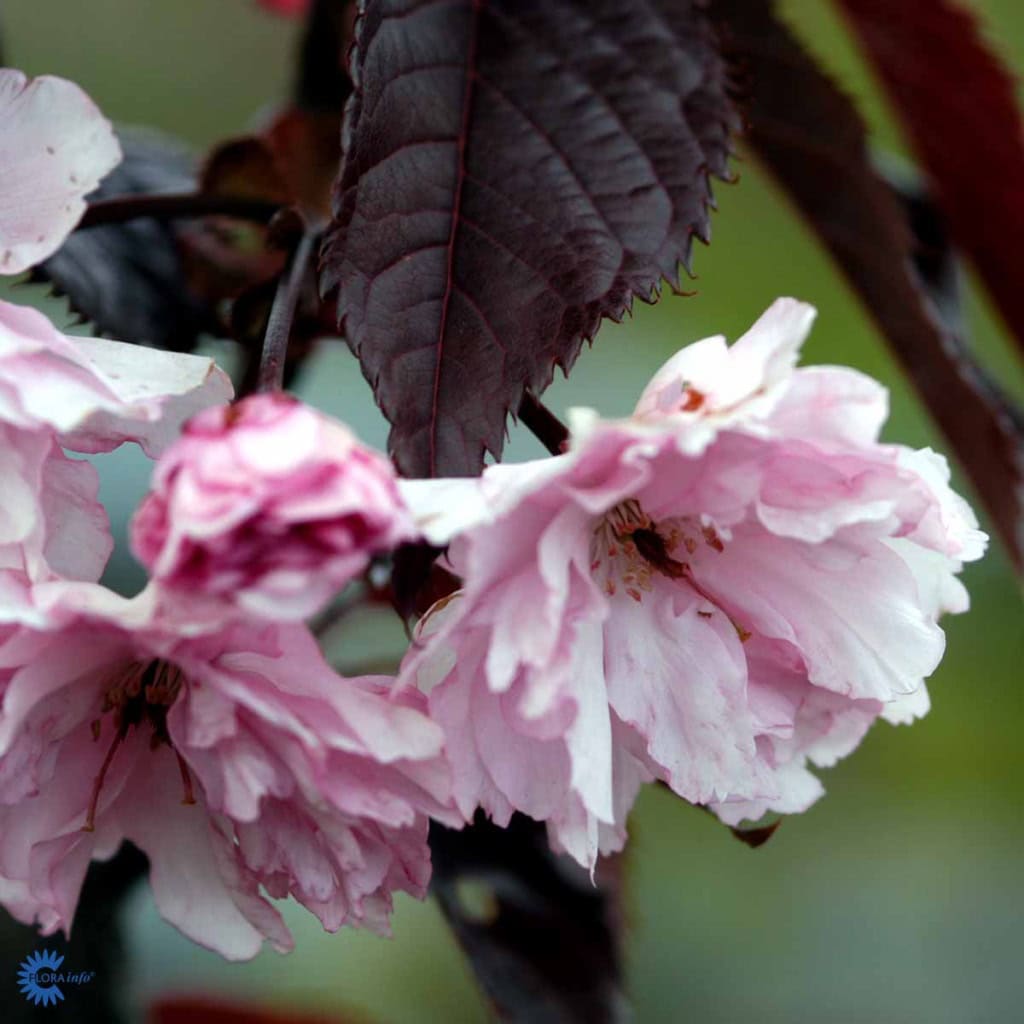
282 315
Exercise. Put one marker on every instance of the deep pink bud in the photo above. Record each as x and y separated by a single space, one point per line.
270 504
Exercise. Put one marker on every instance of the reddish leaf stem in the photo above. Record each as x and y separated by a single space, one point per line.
169 206
543 424
282 314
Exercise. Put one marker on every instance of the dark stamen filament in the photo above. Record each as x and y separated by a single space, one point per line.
186 780
90 818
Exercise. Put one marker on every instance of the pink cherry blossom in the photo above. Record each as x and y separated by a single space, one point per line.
243 766
726 587
87 395
55 147
269 504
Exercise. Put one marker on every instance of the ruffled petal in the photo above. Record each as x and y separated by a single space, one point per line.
854 614
676 674
95 393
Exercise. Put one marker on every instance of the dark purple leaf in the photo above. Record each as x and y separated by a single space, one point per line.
937 265
756 835
322 80
810 137
417 581
542 938
959 106
513 172
128 278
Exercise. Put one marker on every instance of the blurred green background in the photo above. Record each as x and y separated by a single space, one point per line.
899 897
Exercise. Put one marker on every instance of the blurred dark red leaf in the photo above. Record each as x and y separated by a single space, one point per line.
128 279
293 159
811 138
512 174
202 1010
542 938
936 263
289 8
241 262
305 137
224 257
292 162
322 82
307 149
959 107
245 167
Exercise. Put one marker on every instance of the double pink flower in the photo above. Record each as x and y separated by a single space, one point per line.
241 764
270 506
719 592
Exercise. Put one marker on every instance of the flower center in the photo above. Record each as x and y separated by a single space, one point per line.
143 693
628 547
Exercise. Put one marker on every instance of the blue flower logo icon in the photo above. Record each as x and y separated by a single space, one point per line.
35 978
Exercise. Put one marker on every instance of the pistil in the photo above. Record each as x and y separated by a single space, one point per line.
637 546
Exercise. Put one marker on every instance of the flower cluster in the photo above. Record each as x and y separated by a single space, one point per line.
718 593
192 719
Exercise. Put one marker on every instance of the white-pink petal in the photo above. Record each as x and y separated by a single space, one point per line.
852 612
55 148
712 385
97 394
197 882
676 674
